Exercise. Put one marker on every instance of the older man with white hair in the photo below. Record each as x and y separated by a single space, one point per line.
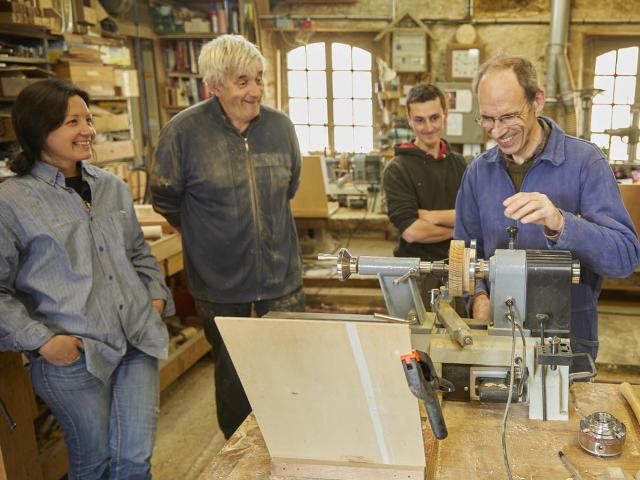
224 173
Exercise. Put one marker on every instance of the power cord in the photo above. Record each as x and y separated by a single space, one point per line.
509 314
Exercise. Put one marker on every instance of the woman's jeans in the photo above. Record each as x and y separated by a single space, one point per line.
109 428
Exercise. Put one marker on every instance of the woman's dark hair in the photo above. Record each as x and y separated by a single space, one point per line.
39 110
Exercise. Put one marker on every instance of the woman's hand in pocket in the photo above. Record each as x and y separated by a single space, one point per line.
61 349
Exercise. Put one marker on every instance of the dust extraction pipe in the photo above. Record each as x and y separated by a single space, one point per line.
558 70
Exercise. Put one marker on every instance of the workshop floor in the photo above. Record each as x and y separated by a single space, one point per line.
188 435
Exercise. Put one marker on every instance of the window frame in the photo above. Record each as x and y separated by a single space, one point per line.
596 45
361 40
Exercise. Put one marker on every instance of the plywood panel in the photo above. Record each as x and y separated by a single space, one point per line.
631 198
311 197
328 391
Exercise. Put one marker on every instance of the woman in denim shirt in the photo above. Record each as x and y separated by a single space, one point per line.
80 293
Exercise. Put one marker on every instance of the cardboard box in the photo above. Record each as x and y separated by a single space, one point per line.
97 80
113 151
127 83
6 129
111 123
13 17
11 86
90 15
197 25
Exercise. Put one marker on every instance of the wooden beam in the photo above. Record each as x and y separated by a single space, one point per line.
18 447
183 358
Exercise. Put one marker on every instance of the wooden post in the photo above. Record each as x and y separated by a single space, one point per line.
18 446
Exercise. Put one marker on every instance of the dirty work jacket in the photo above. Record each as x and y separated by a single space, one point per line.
230 195
576 177
66 269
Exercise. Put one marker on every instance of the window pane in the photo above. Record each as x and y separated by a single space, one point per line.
297 84
361 59
618 149
362 84
600 140
600 118
342 83
341 56
343 138
296 59
318 138
302 131
621 116
625 90
362 114
606 63
315 56
318 111
363 139
343 112
606 84
627 61
317 84
298 110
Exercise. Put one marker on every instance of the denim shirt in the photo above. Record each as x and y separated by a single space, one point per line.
598 231
66 269
229 193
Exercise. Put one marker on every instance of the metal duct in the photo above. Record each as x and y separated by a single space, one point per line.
558 69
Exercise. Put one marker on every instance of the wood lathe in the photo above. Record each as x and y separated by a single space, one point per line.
530 305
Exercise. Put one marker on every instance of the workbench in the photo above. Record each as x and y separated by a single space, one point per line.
19 456
473 448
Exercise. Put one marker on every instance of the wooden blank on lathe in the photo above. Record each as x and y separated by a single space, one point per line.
330 396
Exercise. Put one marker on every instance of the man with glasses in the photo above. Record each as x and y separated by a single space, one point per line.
421 183
558 190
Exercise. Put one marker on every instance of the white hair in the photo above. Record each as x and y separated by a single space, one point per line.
228 55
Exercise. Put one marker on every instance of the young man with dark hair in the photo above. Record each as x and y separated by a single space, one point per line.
422 180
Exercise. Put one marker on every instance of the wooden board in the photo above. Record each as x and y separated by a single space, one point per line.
183 358
310 200
631 199
18 447
473 448
329 392
532 445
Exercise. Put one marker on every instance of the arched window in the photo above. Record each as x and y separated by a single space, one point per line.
330 97
616 73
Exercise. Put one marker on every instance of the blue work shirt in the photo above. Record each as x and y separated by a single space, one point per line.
597 230
66 269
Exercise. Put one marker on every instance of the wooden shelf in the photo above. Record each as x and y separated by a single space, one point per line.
38 61
187 36
183 358
27 31
183 75
176 108
108 99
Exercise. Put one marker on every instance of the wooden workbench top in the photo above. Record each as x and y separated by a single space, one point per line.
473 449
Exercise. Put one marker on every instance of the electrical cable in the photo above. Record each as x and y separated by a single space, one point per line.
505 457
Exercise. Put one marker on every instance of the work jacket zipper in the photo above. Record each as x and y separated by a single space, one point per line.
256 215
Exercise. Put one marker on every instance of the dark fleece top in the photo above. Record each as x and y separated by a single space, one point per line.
414 180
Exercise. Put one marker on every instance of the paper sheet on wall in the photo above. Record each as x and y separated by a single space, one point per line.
460 101
454 124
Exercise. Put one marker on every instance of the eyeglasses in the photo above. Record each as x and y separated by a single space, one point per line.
508 119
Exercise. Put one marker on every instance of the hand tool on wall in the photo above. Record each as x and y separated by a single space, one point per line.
424 383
